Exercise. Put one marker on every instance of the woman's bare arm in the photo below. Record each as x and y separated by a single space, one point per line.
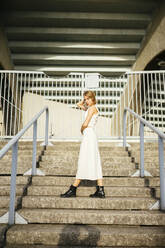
81 105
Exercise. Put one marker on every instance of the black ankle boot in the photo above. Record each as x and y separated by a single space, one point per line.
70 193
99 192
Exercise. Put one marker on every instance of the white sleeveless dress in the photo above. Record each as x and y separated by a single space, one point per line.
89 162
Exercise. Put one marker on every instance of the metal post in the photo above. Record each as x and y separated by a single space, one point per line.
162 173
46 127
141 149
124 128
11 219
34 148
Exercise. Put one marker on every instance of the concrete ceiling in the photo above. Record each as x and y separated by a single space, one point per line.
60 36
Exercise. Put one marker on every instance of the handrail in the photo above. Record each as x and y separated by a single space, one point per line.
161 137
14 144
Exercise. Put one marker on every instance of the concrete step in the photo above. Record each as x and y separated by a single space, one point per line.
77 148
3 211
76 153
116 203
73 164
69 171
153 182
86 235
5 180
4 201
148 159
3 228
24 146
70 143
95 217
156 192
72 172
147 147
146 155
113 159
59 246
86 191
20 169
153 171
148 165
24 152
112 181
5 190
20 158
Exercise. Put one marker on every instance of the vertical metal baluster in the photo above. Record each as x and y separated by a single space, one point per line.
124 92
11 219
20 100
3 106
132 102
162 173
8 106
124 128
141 149
136 102
120 94
109 107
16 107
157 105
129 133
34 148
114 108
28 83
152 100
149 102
2 76
163 116
140 89
48 90
144 100
12 100
161 101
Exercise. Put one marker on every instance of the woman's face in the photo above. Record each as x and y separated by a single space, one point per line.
88 101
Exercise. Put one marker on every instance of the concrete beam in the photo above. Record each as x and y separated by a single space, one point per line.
73 19
48 59
19 33
115 6
73 47
106 71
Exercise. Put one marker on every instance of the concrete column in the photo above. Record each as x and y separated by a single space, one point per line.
151 46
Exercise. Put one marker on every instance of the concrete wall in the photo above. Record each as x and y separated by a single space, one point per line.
5 56
153 44
65 122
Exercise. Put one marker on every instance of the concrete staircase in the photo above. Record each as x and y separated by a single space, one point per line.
122 219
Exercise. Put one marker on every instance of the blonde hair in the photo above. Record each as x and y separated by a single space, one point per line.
91 95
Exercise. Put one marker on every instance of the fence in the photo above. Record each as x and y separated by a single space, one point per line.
144 92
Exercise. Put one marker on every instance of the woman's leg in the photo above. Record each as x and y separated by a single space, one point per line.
72 190
99 190
76 182
100 182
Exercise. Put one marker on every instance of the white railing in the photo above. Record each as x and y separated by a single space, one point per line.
161 138
144 92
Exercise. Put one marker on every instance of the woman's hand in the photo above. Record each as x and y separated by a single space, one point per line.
82 128
82 105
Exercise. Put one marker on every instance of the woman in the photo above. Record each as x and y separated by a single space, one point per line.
89 163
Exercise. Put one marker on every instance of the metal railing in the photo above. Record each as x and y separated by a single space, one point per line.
141 91
14 144
161 137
